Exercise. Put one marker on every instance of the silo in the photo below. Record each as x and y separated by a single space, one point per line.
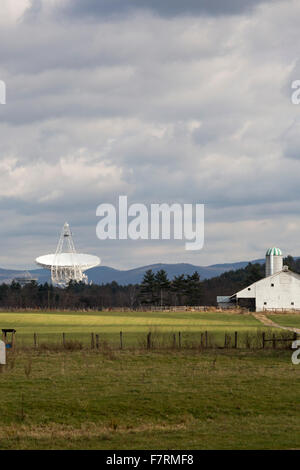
274 261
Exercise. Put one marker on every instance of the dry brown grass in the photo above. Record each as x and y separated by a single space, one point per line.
87 430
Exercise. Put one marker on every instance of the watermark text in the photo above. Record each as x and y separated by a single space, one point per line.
2 92
161 222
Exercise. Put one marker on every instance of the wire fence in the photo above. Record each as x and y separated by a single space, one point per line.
154 340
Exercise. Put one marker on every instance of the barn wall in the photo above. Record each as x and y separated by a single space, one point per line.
281 291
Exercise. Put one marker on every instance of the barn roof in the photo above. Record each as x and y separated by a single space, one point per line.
285 270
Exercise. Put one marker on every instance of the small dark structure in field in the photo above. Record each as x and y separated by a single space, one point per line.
9 344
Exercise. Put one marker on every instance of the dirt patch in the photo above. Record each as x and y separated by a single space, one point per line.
268 322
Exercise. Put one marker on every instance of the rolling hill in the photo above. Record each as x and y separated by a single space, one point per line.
105 274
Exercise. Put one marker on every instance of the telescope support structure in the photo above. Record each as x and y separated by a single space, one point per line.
62 275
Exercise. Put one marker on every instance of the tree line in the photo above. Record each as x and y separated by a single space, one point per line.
156 289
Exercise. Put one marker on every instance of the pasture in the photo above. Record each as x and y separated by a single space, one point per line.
49 326
292 320
107 398
156 400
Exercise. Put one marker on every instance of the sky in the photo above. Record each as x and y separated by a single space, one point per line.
163 101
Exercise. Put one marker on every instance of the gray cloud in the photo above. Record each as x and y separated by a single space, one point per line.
166 8
163 108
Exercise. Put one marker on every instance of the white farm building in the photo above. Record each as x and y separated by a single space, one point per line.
279 290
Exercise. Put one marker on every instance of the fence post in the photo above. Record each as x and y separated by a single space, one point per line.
92 341
235 339
149 340
206 339
227 341
35 340
174 340
64 339
274 341
263 340
13 341
202 340
121 340
97 341
179 339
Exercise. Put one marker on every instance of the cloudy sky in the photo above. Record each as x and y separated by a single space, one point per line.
160 100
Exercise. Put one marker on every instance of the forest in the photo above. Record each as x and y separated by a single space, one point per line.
155 290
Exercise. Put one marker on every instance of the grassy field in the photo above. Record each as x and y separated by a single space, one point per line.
164 398
134 325
150 400
286 320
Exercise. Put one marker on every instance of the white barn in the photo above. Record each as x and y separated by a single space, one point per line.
281 291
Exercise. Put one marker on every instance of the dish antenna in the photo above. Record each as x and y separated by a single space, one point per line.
65 264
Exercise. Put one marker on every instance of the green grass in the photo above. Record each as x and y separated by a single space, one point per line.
150 400
138 399
286 320
134 325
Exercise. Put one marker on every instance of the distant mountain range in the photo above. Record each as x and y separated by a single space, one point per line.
105 274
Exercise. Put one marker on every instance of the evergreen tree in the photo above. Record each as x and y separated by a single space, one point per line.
147 292
254 272
290 262
193 289
178 287
162 284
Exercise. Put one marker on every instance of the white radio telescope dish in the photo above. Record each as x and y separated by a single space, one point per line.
65 264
